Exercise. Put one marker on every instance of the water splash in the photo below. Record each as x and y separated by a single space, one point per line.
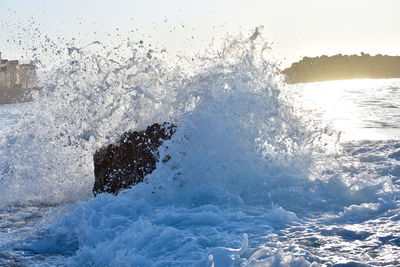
241 161
99 93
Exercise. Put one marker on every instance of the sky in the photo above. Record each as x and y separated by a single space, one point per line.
295 28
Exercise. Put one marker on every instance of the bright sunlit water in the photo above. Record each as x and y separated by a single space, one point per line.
360 109
261 173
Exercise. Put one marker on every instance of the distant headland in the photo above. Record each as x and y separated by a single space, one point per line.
342 67
16 81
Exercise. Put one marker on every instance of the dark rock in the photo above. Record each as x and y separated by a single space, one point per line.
126 162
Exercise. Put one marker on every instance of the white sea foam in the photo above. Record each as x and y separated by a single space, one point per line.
242 164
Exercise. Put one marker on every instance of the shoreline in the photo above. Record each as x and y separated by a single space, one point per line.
343 67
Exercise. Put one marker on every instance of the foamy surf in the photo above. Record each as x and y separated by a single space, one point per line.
250 182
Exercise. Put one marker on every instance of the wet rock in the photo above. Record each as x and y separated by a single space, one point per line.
126 162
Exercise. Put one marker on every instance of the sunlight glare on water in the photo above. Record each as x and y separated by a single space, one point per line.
345 105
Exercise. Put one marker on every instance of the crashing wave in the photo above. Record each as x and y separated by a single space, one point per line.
242 162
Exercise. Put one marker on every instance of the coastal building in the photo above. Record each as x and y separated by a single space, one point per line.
16 80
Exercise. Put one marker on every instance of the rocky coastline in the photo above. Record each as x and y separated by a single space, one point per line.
343 67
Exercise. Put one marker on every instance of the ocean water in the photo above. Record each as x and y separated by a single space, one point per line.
261 173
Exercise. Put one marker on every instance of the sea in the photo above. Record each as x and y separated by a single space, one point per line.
261 173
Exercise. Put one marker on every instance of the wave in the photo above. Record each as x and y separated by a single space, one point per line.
243 164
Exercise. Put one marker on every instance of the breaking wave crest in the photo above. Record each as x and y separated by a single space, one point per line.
99 93
242 162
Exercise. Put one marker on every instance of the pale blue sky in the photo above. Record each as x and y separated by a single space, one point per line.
297 28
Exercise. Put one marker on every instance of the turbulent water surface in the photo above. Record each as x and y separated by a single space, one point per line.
261 173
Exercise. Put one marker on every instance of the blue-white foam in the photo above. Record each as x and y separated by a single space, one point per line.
243 166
